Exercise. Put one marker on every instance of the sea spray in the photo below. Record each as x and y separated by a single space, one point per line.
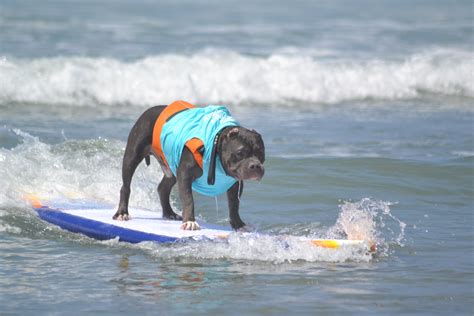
370 220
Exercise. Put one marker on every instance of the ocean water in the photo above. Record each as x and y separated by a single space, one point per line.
366 110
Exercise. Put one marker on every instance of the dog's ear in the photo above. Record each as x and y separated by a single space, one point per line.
233 132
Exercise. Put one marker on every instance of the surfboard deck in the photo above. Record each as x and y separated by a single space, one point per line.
95 221
144 225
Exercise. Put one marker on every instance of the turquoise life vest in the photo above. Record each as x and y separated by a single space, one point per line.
204 124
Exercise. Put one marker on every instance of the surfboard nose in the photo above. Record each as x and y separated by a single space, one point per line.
34 200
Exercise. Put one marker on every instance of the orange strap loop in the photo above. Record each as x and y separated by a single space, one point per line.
194 145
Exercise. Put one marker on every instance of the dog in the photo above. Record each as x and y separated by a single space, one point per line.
202 149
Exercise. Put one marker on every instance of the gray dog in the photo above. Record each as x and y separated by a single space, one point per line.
203 149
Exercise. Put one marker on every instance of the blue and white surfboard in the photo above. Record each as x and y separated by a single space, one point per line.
95 221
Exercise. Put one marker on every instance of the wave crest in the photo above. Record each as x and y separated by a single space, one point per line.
227 77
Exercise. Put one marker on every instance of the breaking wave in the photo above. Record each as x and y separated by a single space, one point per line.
229 77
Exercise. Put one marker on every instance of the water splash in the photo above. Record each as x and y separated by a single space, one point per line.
369 220
258 247
74 169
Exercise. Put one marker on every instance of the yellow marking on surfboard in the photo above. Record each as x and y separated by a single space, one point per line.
326 243
335 244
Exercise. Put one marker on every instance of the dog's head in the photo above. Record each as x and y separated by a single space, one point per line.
242 153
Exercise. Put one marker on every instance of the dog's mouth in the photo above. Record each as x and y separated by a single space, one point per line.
252 174
256 178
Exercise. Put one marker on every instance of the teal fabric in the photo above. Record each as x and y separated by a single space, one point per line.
203 123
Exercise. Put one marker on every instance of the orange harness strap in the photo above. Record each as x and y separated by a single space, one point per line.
193 144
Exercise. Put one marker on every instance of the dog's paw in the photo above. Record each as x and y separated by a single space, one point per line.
122 217
243 229
190 225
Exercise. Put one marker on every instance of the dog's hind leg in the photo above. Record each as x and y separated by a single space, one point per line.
131 160
138 148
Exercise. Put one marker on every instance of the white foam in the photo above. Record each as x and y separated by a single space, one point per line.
89 169
9 229
459 153
258 248
228 77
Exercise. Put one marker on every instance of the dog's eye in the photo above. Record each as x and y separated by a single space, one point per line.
239 155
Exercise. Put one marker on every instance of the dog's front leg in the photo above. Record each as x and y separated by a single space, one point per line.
187 203
233 200
188 170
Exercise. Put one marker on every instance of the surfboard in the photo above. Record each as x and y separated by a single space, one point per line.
95 221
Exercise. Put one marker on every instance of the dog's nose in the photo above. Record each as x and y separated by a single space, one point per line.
255 166
257 170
